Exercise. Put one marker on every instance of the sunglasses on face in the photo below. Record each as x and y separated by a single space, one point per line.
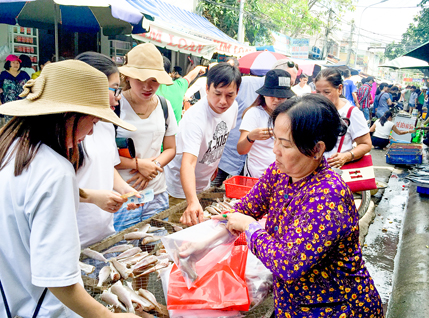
116 91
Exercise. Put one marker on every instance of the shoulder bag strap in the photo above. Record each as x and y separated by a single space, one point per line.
164 109
6 305
39 303
342 138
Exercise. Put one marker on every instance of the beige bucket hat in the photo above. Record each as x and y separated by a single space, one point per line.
145 61
67 86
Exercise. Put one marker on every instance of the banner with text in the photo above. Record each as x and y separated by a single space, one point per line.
300 48
295 48
186 43
177 41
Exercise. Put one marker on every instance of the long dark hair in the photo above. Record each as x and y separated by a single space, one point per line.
380 88
259 101
33 131
385 117
313 118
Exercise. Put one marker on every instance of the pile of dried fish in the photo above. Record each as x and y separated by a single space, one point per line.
133 262
219 207
128 262
125 298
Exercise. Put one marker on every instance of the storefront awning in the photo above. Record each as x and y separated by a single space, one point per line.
187 24
177 41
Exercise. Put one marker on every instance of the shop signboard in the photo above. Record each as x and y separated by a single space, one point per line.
282 43
300 48
233 49
190 44
404 123
177 41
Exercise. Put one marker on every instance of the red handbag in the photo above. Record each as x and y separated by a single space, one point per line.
358 174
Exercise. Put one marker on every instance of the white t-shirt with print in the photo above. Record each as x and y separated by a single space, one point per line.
148 137
299 91
358 127
39 245
261 154
202 133
97 173
383 131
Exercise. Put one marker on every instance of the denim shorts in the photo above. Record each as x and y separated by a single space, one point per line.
123 219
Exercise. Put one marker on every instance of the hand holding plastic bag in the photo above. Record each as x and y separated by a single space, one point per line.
197 249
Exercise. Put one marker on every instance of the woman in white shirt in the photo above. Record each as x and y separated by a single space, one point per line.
97 176
142 73
39 195
382 128
256 138
329 83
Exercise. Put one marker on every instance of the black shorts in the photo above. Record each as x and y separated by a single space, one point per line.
379 142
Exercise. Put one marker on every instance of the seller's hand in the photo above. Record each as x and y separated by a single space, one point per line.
127 189
237 222
339 159
140 182
106 200
193 214
260 134
148 168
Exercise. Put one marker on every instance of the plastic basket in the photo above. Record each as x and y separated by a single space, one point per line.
238 186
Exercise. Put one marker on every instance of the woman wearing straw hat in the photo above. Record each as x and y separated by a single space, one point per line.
142 73
40 248
256 138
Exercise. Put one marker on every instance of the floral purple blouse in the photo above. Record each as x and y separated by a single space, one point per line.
311 245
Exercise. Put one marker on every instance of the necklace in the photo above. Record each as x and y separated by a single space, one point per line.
149 108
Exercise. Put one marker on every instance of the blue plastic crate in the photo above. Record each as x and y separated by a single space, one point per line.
423 190
404 156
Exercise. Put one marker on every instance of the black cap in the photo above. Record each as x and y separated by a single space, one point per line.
277 84
370 78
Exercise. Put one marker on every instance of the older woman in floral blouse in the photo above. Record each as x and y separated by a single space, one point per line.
311 238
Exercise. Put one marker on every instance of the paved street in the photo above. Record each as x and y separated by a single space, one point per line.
381 243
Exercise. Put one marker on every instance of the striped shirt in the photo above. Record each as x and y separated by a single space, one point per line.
364 95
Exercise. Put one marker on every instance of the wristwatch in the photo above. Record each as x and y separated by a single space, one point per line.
157 163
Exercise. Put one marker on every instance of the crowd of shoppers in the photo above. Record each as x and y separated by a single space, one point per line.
289 137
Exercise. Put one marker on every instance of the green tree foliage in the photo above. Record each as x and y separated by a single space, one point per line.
415 35
291 17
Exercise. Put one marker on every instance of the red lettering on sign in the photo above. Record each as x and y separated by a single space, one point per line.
199 48
171 40
182 43
191 47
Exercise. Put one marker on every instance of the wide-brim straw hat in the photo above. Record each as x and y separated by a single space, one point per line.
67 86
145 61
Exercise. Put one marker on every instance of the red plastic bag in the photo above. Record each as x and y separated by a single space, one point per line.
223 287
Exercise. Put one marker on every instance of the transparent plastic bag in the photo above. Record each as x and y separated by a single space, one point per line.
197 249
259 280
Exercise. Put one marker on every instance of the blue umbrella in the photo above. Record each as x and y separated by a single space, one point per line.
111 16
